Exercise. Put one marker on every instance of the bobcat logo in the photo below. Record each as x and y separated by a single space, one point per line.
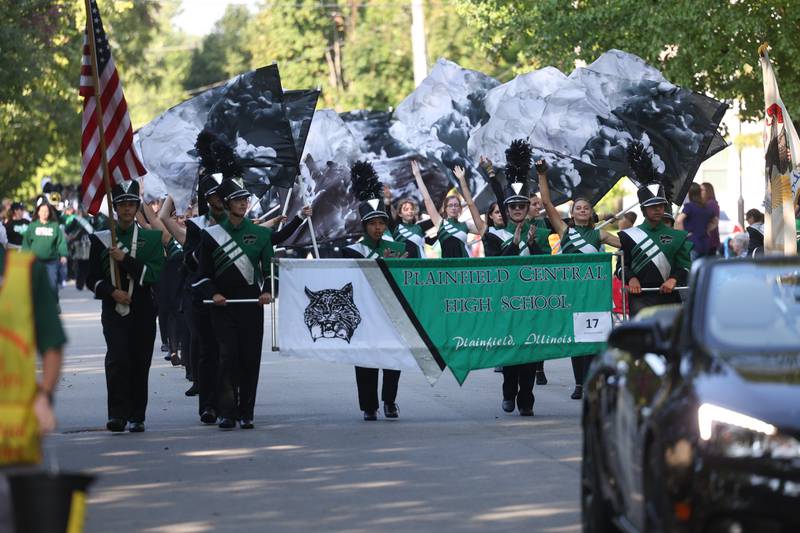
331 313
665 239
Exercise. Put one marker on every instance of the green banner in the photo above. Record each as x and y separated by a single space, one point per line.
502 311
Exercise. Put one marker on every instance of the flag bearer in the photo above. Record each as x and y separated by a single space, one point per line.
234 261
128 311
655 255
374 218
578 237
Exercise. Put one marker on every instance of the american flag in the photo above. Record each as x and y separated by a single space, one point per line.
123 162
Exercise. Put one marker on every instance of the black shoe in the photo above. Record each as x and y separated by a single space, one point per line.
227 423
526 412
370 415
541 379
165 348
390 410
168 357
175 359
194 390
246 423
498 369
577 394
209 416
508 406
136 427
116 425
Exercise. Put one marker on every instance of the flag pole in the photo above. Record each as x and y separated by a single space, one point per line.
98 112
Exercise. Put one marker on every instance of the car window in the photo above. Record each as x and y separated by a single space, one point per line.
753 306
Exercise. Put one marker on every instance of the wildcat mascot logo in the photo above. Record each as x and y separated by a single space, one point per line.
332 314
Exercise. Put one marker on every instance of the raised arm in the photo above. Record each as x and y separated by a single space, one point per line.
436 218
486 163
168 223
611 240
480 225
155 223
544 190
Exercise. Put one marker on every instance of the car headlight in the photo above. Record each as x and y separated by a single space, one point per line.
738 435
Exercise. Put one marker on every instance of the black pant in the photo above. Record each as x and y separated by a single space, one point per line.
239 330
367 382
206 350
539 366
648 299
129 340
580 365
518 381
81 271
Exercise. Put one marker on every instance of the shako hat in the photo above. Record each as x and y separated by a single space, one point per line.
518 165
233 188
652 194
125 191
209 184
668 213
368 190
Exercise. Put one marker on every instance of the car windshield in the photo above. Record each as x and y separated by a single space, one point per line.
754 307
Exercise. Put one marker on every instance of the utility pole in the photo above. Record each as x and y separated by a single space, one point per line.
418 42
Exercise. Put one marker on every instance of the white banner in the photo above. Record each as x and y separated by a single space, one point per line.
343 310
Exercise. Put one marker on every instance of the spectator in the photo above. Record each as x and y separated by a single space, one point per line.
696 218
710 199
17 225
755 232
739 244
45 238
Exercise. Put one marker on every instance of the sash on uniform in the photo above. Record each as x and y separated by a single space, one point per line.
449 229
647 251
231 254
408 235
507 237
105 238
575 240
364 250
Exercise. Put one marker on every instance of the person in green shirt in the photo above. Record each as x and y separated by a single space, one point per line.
45 238
121 277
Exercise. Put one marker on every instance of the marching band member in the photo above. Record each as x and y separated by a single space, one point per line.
576 238
128 311
655 255
234 258
452 233
374 218
519 237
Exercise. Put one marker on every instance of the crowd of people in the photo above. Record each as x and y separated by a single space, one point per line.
181 271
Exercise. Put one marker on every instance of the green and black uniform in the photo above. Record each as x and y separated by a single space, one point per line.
453 238
414 233
234 261
653 254
129 333
580 240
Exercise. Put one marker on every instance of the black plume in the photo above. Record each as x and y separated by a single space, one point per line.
226 161
518 160
365 181
205 150
641 163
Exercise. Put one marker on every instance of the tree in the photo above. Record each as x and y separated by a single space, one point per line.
40 110
222 54
705 45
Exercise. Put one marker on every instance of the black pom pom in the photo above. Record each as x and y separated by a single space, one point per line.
518 160
641 163
205 150
225 160
365 181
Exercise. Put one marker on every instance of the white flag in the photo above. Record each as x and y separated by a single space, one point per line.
782 169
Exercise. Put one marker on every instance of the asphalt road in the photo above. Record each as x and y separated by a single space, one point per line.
452 462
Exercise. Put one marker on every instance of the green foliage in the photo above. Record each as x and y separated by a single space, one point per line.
706 45
222 54
40 108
